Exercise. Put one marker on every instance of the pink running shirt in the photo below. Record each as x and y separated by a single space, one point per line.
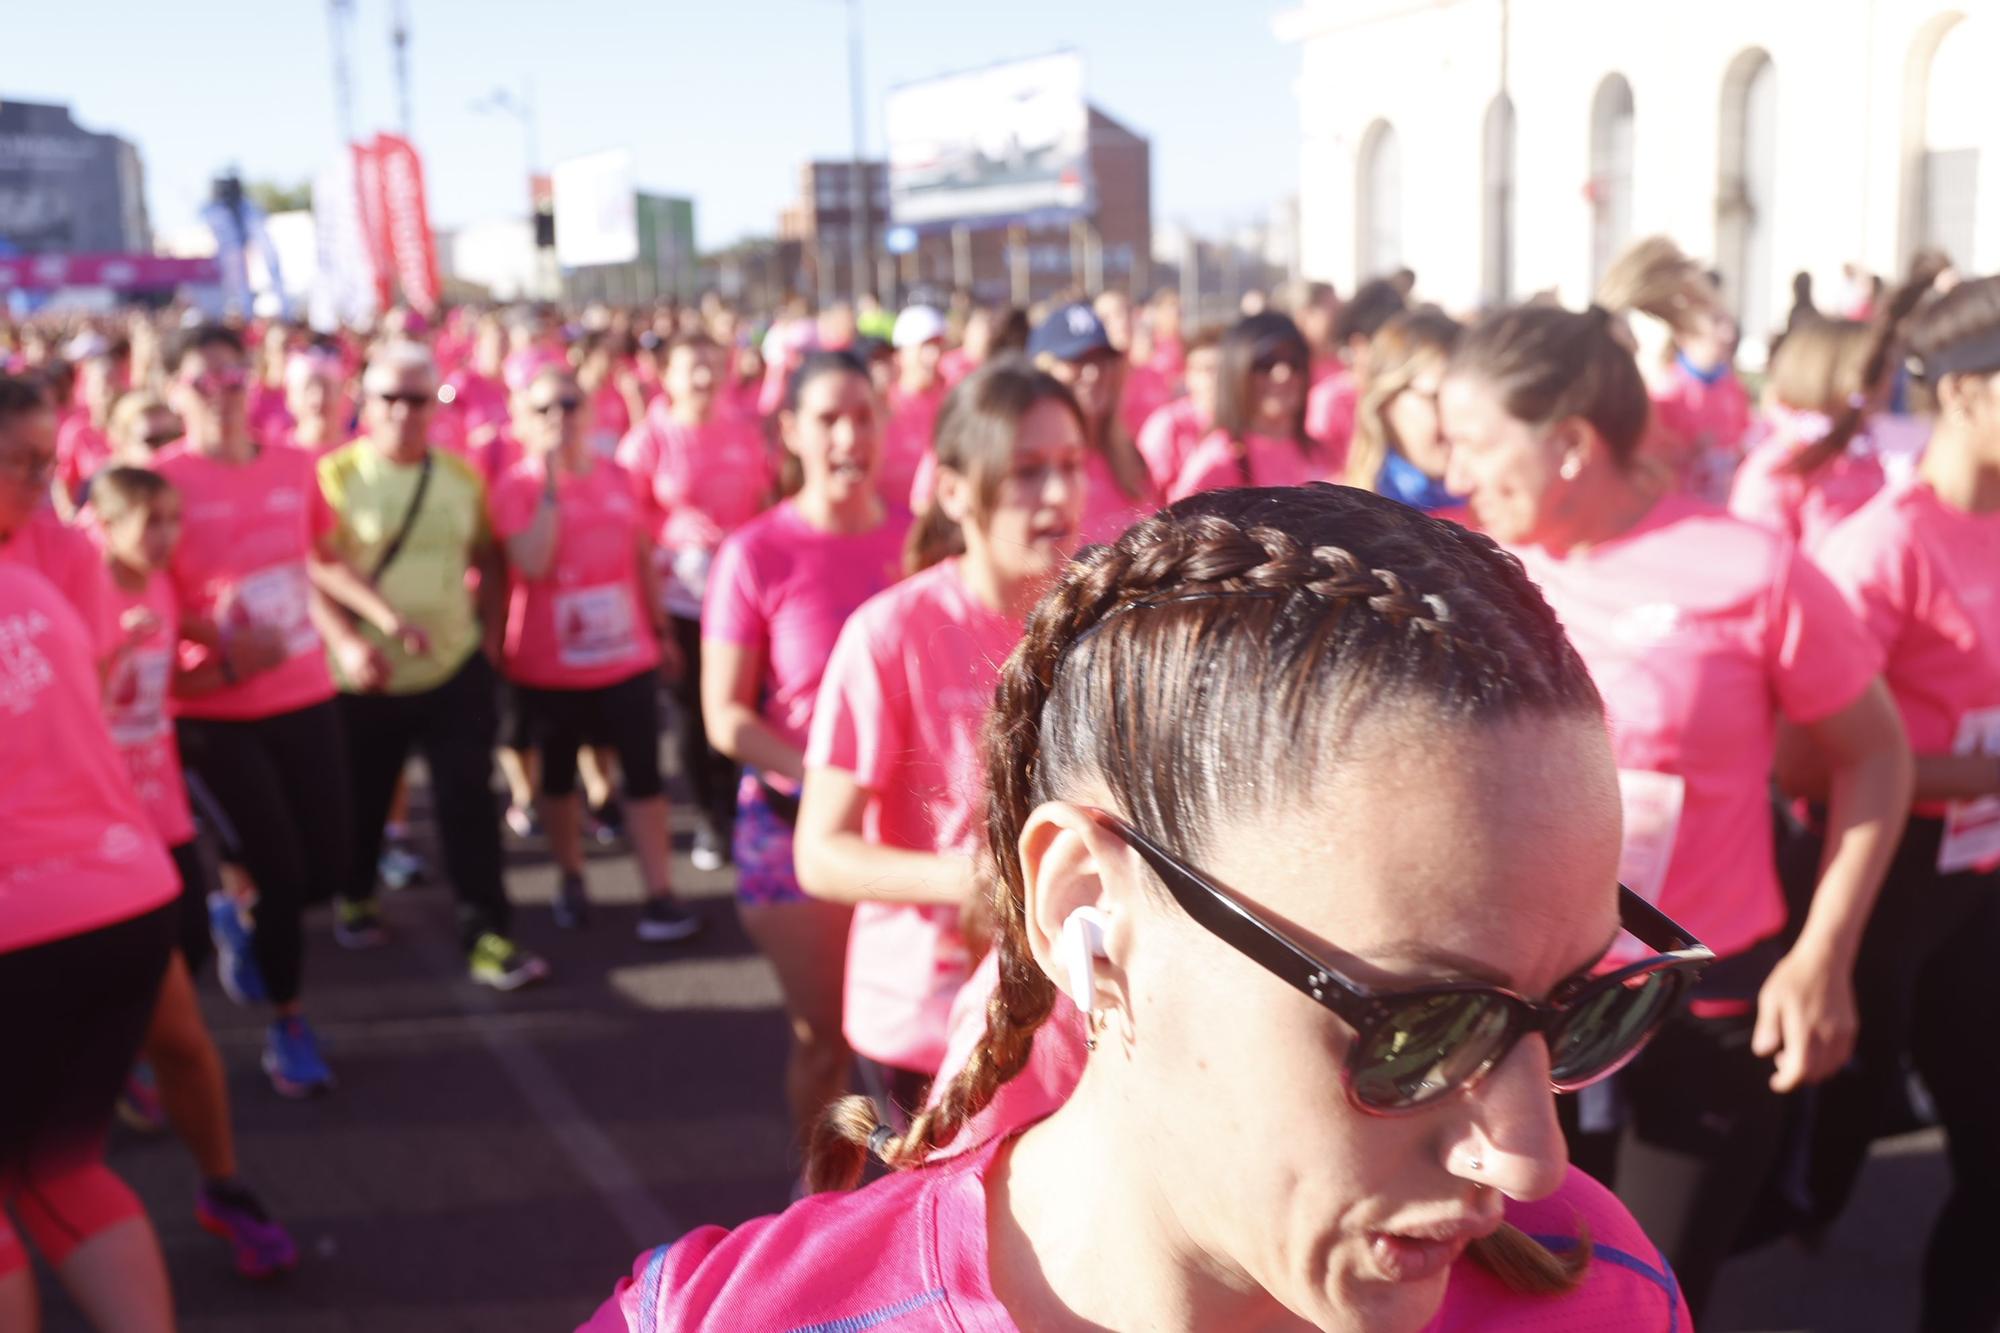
1704 424
585 623
1701 630
1168 437
695 485
910 1253
1804 509
907 440
69 559
1214 465
1925 580
1055 1061
785 588
1145 392
901 706
138 709
79 852
1330 405
249 532
81 449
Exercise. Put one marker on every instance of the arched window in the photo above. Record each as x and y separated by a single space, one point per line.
1957 115
1379 200
1744 212
1610 172
1497 253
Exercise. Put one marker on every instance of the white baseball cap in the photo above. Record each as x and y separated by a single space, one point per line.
917 325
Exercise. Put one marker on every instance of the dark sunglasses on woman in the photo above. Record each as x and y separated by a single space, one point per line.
1413 1046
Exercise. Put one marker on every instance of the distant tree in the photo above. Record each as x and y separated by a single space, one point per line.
273 197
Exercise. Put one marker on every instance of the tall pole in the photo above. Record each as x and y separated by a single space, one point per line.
399 44
859 194
340 19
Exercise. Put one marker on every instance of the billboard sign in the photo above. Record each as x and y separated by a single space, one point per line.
1006 142
596 210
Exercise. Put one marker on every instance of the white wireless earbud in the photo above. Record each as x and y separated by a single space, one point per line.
1082 943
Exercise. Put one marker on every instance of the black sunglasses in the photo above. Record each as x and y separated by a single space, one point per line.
1412 1047
406 399
566 406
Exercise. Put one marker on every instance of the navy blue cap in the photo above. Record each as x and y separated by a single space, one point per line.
1070 334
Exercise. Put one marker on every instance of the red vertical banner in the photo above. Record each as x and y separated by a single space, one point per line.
412 249
369 195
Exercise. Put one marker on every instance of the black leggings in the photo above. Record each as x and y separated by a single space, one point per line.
76 1012
624 716
711 776
454 726
1928 985
282 782
1700 1128
191 925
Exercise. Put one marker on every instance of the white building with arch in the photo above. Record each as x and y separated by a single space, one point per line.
1506 147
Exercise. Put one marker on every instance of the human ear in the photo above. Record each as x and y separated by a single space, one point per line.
954 495
1077 908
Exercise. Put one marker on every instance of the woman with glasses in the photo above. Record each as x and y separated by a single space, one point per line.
254 570
1398 448
1703 632
1260 413
1302 799
586 641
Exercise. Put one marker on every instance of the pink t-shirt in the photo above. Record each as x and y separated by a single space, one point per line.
584 624
138 709
910 1252
70 560
696 485
1330 407
901 706
1146 391
79 852
1925 579
1701 630
1703 425
270 421
475 409
81 449
1168 437
248 534
1215 465
955 365
906 442
1802 508
607 420
785 588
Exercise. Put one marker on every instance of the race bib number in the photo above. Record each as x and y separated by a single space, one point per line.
594 626
1972 828
135 703
1653 803
278 597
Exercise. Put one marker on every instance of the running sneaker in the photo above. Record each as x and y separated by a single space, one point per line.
400 867
607 822
235 952
261 1247
504 965
292 1059
664 920
359 925
711 851
571 905
139 1104
523 823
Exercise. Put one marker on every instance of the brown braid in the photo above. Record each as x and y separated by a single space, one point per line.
1271 618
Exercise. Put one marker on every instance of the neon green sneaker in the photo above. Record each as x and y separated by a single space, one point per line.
500 963
359 925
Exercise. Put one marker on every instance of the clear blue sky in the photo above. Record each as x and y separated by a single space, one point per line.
721 100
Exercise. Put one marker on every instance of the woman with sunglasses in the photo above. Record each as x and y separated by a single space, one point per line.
586 641
1304 801
1920 562
1703 632
253 574
1260 413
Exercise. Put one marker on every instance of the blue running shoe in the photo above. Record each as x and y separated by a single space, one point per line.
292 1059
235 954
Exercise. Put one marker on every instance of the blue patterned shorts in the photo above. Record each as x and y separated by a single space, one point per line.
763 847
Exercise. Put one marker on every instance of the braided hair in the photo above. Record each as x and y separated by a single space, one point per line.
1219 649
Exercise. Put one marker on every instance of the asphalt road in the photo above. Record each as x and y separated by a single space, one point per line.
493 1163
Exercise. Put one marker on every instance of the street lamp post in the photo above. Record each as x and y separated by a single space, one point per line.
857 175
522 108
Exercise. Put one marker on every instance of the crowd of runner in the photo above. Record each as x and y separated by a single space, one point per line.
1049 708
